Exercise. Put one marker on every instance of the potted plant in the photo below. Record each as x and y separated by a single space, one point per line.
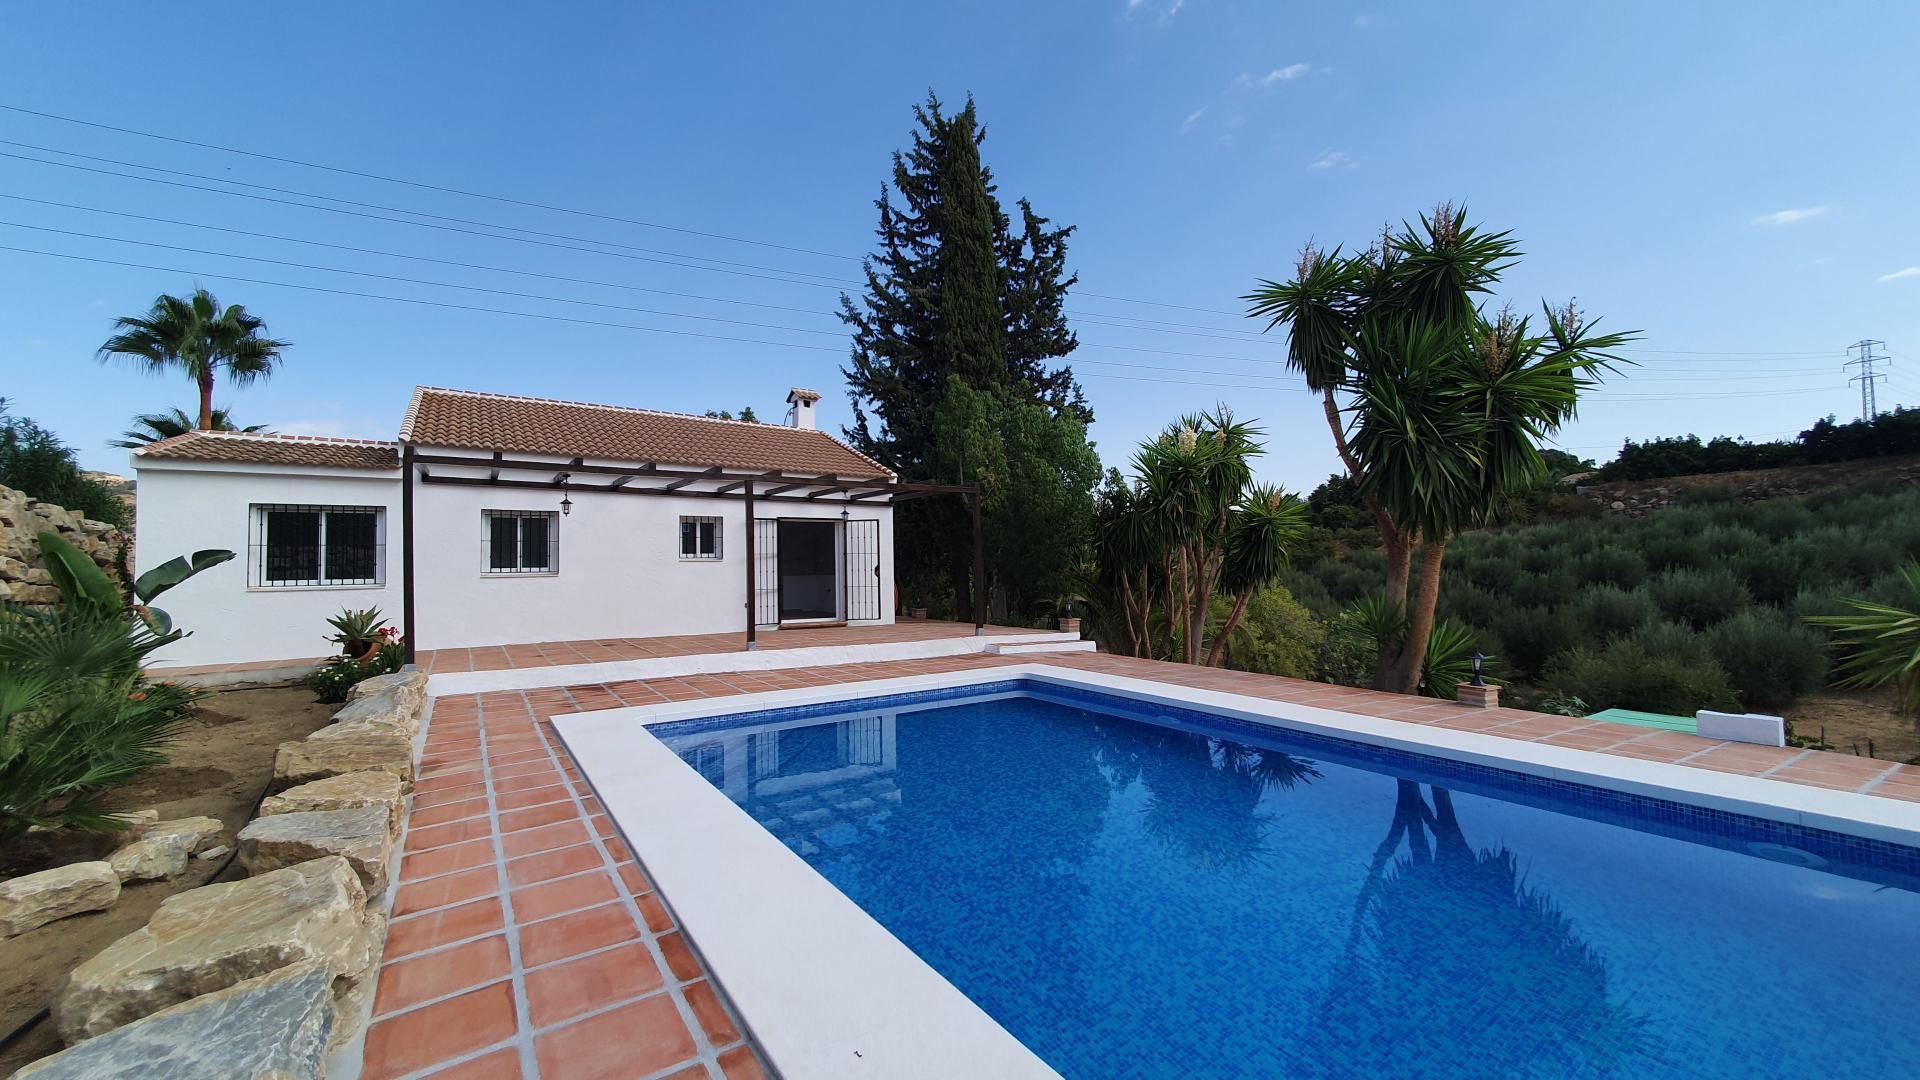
359 633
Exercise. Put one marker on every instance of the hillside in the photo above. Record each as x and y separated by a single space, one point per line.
1636 497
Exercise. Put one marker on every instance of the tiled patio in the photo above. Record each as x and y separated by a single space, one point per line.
552 653
527 942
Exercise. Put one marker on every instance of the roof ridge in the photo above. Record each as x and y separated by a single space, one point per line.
406 428
262 436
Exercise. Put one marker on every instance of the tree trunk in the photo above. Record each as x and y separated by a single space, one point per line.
206 400
1413 655
1219 650
1143 643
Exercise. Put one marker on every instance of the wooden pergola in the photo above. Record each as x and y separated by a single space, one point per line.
655 480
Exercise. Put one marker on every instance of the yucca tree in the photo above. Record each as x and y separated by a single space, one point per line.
1194 476
1266 523
152 427
1437 411
1879 644
200 337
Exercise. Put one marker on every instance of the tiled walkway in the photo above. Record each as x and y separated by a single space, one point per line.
550 653
527 942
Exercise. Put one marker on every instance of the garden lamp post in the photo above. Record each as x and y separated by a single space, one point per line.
1479 659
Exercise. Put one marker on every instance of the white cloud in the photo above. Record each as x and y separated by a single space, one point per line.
1791 217
1192 119
1172 10
1900 275
1333 159
1285 74
1366 22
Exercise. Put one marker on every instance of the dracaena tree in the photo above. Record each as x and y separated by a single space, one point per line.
197 336
1437 409
1192 525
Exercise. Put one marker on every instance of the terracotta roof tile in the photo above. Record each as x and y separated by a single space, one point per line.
264 449
475 421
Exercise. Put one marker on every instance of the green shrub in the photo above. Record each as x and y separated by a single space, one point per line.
1611 565
1676 551
1531 637
1277 636
1770 659
1775 574
65 742
1624 675
1675 640
1605 611
1699 598
331 683
34 460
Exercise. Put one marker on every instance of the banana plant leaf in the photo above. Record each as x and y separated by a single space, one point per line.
176 570
82 584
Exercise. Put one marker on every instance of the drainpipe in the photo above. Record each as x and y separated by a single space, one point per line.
751 643
406 548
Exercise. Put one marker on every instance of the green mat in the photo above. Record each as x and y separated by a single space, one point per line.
1686 724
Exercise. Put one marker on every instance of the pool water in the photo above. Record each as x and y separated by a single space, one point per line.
1143 896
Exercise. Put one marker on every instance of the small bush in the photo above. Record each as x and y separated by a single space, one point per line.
1673 552
1605 611
1770 660
1674 640
331 683
1276 636
1625 675
1531 637
1610 565
1699 598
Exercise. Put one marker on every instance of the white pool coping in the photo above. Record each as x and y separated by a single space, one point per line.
828 992
721 663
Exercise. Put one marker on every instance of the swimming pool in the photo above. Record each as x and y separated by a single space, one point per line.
1148 890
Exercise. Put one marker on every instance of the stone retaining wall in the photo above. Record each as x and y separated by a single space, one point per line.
23 575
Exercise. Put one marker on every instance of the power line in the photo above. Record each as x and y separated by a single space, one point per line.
424 186
1869 408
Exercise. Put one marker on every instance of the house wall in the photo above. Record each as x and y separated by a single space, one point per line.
183 507
620 574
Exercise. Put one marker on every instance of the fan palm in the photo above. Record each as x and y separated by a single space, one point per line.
200 337
152 427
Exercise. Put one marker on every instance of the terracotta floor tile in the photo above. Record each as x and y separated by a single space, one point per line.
546 777
449 795
447 859
570 935
415 896
552 864
561 834
705 1002
654 912
441 1031
535 816
635 879
691 1072
517 800
447 925
427 817
552 898
680 958
436 974
633 1040
502 1064
741 1063
454 832
564 991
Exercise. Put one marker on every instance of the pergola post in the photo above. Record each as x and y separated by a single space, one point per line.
406 551
979 570
751 584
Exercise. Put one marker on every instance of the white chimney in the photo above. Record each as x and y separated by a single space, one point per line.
801 415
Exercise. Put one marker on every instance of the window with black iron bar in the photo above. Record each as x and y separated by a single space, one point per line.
700 538
521 541
317 546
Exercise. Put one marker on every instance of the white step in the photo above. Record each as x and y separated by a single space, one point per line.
1022 649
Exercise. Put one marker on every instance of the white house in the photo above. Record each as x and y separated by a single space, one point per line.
495 519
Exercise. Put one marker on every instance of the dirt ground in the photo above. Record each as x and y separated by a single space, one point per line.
218 767
1858 722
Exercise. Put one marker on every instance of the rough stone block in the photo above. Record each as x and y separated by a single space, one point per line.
393 706
201 832
153 858
342 792
274 1027
34 900
210 938
413 682
337 750
358 835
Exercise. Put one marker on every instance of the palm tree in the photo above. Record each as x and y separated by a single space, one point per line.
198 336
152 427
1879 644
1437 411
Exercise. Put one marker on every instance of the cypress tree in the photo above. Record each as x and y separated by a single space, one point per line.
961 316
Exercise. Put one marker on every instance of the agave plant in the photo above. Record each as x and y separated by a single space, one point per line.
356 630
1879 644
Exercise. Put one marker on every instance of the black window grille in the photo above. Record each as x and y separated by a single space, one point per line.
700 538
522 541
317 545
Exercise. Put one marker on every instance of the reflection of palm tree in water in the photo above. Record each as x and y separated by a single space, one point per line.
1206 791
1455 966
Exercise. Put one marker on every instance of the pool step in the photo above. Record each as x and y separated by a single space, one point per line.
1022 649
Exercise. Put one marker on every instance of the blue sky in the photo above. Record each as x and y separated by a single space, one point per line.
1733 180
